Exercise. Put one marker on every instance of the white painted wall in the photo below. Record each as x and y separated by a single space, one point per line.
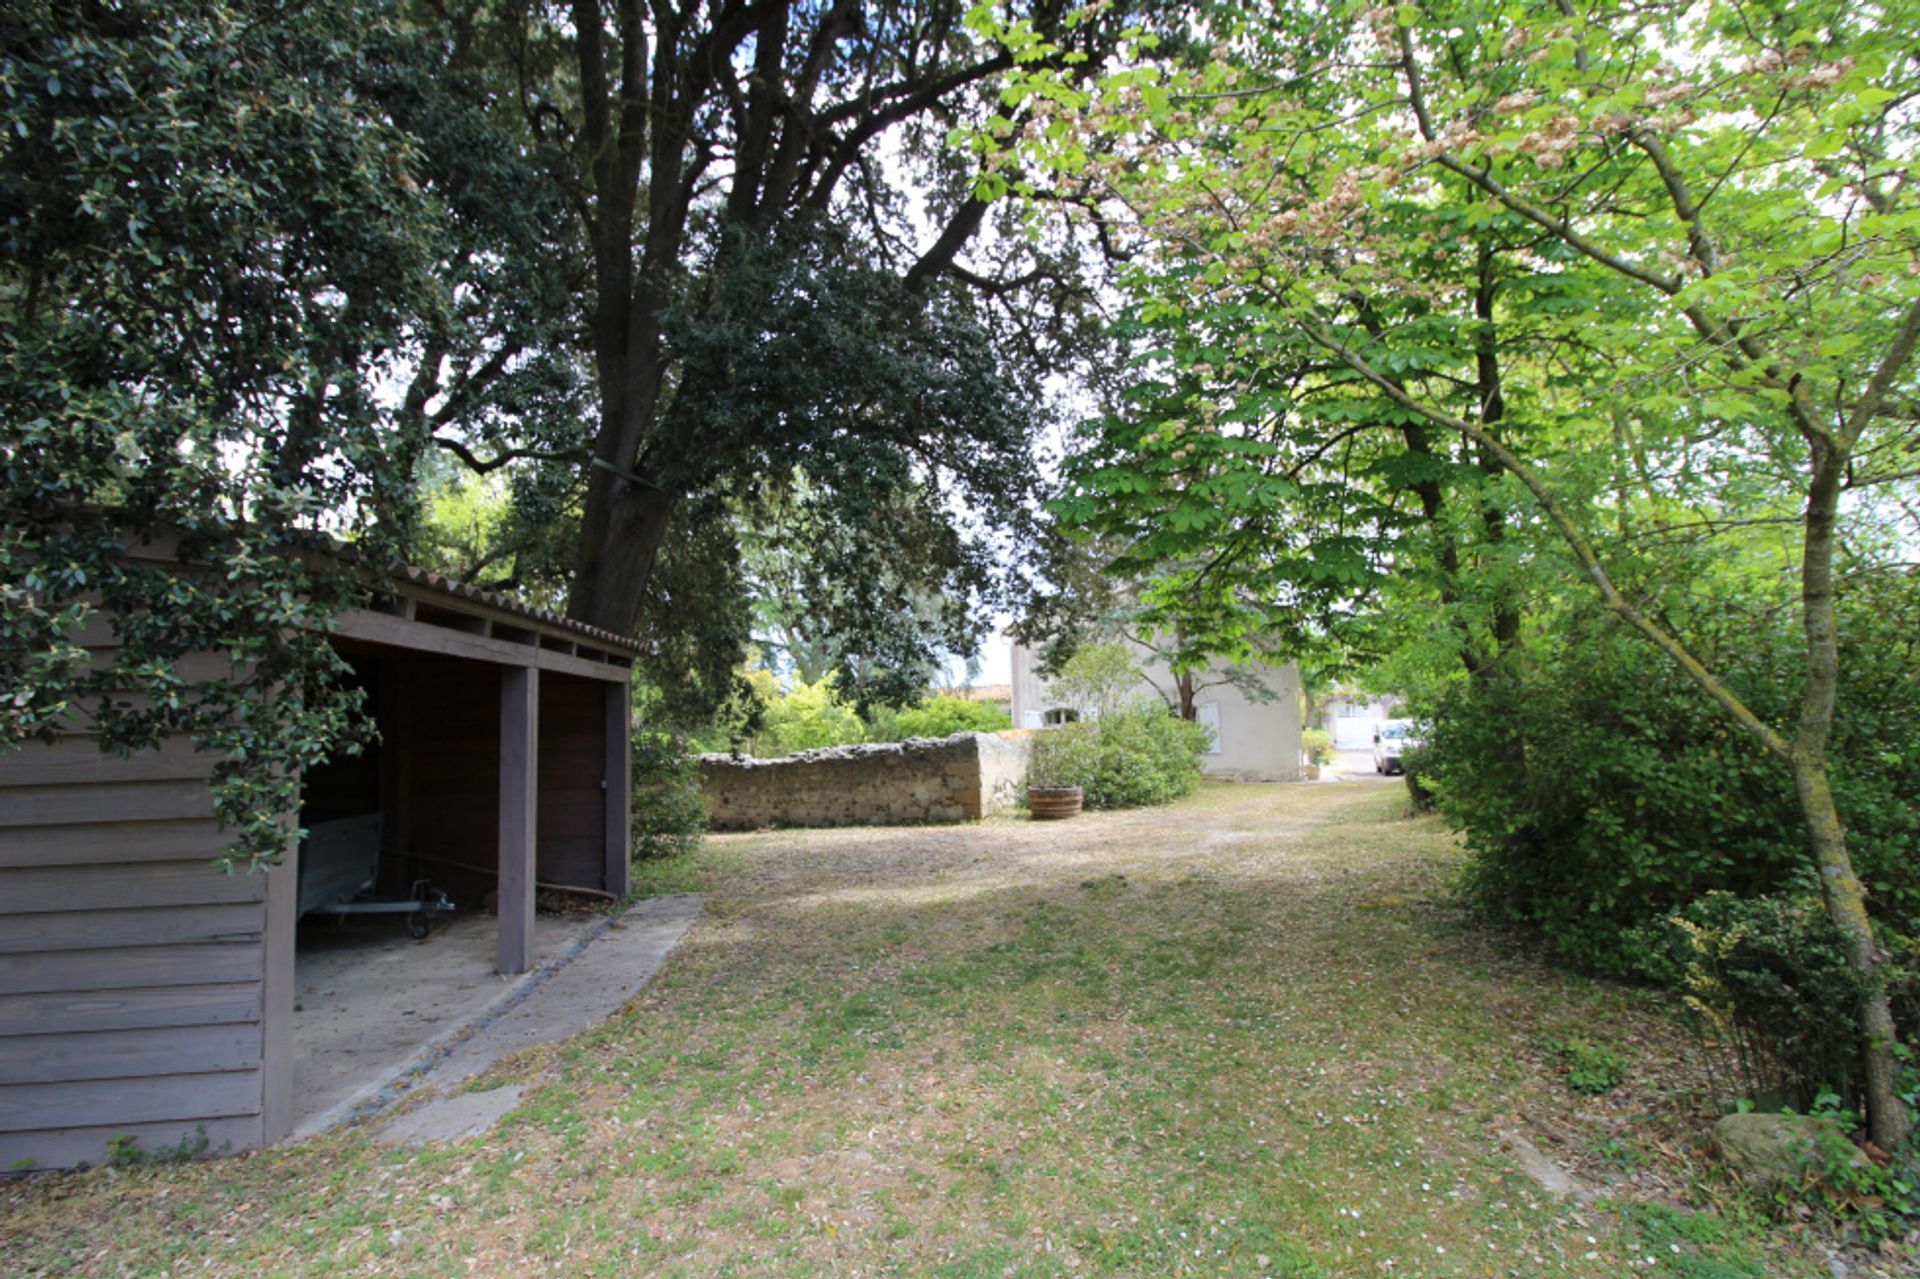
1353 718
1256 741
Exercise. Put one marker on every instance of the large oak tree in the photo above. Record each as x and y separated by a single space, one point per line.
785 280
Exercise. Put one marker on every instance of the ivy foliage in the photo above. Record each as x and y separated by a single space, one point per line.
214 242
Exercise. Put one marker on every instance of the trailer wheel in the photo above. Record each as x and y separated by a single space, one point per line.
419 925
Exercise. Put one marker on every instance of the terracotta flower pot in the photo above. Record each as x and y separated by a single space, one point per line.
1051 803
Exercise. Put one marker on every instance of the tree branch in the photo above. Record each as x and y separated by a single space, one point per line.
1768 737
480 465
1899 351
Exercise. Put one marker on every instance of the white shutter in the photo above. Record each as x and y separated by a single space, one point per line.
1207 714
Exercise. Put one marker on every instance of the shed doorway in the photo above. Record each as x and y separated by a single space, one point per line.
415 820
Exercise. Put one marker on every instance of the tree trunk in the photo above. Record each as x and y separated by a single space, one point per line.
1806 754
620 538
1493 411
1183 684
1888 1122
626 516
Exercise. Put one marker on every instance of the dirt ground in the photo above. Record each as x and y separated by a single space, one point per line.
1249 1034
368 997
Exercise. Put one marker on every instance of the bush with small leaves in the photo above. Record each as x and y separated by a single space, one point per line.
669 811
1132 758
1598 790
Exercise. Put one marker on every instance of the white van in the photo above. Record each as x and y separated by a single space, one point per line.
1392 739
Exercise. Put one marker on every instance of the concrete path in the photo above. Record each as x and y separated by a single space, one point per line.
1350 766
369 999
608 970
574 988
455 1118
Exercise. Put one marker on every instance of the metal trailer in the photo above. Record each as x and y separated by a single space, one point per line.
339 862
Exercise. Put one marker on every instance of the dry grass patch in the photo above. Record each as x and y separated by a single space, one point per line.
1246 1035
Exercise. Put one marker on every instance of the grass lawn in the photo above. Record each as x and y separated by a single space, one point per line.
1246 1035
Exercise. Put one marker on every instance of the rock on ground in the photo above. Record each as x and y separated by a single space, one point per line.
1769 1150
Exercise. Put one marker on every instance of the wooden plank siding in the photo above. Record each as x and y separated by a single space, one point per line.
75 805
453 772
95 842
384 628
83 929
108 886
129 1008
83 1144
573 760
130 1054
188 964
185 1097
78 761
130 966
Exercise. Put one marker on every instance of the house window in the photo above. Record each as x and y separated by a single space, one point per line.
1060 715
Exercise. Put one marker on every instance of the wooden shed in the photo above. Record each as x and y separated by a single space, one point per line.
145 994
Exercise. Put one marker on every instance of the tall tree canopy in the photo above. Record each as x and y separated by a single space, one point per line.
788 287
718 279
674 270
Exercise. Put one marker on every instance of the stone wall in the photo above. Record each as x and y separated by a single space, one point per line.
1004 760
922 779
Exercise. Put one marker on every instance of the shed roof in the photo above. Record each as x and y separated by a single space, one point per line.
315 541
414 575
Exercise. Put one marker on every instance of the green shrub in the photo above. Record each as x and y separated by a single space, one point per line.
1066 755
1413 767
1879 1204
1318 744
1598 789
946 715
1767 976
1131 758
807 717
669 811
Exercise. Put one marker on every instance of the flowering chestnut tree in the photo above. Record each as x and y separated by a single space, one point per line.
1543 268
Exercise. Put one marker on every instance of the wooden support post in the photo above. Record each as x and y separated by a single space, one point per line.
618 781
519 806
396 712
282 914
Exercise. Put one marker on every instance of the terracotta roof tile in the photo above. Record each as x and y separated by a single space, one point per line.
416 576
